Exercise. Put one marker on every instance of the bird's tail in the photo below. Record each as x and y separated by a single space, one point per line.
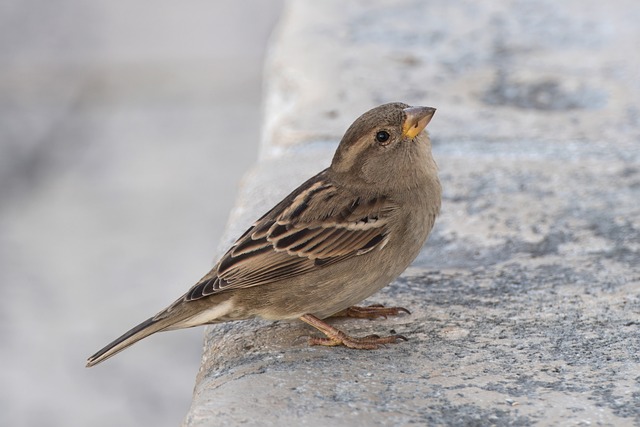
180 314
144 329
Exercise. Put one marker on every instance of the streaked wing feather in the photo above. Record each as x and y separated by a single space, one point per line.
300 234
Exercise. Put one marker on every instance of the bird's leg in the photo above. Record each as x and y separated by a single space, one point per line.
337 337
370 312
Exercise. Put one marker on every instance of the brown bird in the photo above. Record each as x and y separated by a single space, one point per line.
334 241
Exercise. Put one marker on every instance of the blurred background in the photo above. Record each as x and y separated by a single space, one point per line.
124 130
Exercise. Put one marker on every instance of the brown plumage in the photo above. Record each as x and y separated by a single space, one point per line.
335 240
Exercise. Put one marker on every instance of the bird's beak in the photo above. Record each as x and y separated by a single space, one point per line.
417 119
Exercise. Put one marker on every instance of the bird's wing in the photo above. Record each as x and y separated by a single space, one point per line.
315 226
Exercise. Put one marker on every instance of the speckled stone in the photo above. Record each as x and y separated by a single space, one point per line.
526 299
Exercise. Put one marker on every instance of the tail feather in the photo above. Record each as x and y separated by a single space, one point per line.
144 329
180 314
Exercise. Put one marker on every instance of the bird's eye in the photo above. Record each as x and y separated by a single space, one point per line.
382 137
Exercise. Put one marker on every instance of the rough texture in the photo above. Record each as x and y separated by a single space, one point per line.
526 300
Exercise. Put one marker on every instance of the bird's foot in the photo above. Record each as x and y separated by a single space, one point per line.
337 337
371 312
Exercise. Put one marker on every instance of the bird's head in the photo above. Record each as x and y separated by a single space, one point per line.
386 146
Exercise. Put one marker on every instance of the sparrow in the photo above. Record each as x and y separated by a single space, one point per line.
337 239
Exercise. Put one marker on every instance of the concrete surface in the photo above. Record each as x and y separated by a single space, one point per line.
526 300
124 130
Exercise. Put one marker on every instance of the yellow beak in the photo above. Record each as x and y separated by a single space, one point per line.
417 119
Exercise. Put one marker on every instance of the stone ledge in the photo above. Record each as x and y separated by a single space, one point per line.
525 302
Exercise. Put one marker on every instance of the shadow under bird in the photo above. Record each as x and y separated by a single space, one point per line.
337 239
